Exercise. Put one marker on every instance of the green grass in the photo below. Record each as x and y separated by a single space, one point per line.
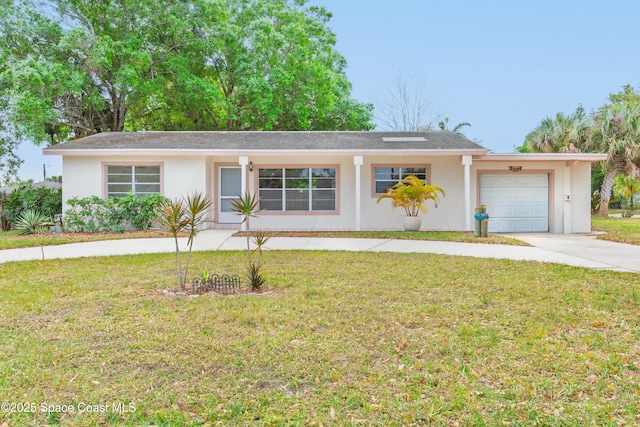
344 339
445 236
623 230
12 239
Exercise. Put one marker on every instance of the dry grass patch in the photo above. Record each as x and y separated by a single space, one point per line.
347 339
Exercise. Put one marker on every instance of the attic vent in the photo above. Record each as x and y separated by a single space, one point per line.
403 138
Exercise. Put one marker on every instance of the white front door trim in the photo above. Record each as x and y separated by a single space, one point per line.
229 187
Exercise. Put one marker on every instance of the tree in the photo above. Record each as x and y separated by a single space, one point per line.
616 132
78 67
562 134
407 108
9 160
626 187
444 126
627 95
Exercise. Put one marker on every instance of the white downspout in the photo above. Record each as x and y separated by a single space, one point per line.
466 162
357 161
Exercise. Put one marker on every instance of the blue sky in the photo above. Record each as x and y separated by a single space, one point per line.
502 66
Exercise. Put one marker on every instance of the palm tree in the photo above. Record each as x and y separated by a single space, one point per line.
562 134
626 186
411 194
616 132
444 126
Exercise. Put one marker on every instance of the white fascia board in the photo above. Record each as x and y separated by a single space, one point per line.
186 152
537 157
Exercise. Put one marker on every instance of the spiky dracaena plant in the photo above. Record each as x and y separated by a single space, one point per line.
172 216
196 206
248 206
260 238
184 215
411 194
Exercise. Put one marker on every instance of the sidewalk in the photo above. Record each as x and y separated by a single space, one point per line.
575 250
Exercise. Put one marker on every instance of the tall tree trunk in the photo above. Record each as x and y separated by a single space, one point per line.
119 113
605 191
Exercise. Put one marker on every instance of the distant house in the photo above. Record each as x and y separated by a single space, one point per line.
331 180
49 184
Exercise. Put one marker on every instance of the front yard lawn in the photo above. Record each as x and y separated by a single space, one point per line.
12 239
344 339
623 230
443 236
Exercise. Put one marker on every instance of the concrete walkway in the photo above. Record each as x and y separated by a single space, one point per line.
575 250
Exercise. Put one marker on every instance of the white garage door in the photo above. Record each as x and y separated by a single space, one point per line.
516 203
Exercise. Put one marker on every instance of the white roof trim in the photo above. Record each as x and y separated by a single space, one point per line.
234 152
529 157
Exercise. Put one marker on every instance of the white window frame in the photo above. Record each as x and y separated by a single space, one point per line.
132 183
401 174
310 188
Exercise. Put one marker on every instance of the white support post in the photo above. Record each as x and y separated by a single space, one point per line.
466 162
243 161
357 161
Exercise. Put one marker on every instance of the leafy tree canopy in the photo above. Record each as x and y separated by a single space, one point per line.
627 95
71 68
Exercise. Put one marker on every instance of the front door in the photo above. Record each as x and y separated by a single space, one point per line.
229 188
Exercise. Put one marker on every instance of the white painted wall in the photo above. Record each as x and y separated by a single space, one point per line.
581 198
83 176
447 172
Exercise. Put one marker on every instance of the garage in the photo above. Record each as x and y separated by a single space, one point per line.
516 203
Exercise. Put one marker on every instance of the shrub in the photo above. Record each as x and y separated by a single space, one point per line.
32 222
93 214
141 212
47 201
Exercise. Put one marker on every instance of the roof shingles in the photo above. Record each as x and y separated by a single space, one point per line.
298 141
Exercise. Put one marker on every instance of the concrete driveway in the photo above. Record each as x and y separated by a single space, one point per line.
616 256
